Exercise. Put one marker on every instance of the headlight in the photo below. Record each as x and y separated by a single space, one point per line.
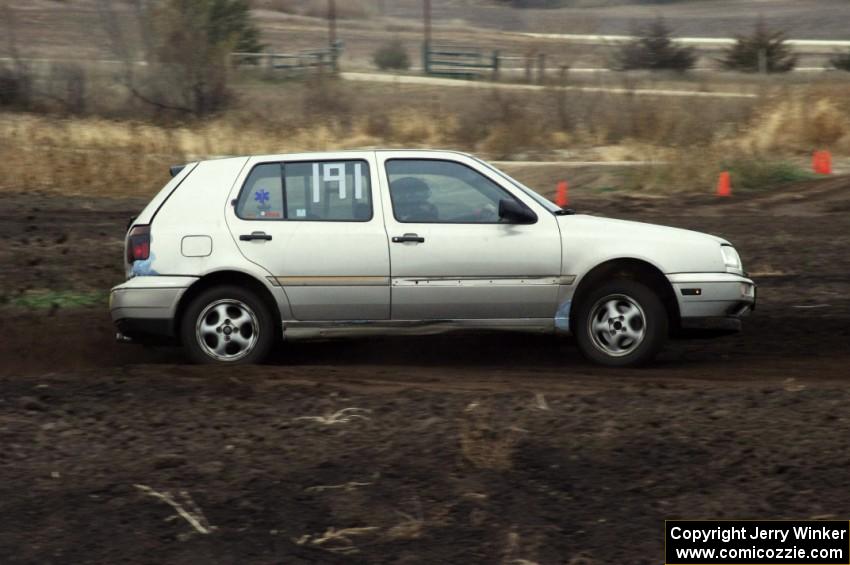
731 257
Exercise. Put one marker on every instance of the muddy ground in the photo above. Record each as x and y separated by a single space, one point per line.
460 449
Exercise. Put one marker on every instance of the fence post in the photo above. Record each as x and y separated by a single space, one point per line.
426 40
426 57
320 63
336 49
528 68
495 64
541 68
331 23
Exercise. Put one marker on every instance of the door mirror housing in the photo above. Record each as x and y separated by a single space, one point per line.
515 213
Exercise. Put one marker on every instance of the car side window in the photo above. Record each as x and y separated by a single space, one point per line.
307 190
262 196
437 191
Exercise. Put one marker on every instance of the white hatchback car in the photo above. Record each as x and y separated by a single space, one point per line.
234 254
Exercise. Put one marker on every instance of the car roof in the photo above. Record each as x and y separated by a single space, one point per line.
302 154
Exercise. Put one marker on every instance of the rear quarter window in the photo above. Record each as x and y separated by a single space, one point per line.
307 191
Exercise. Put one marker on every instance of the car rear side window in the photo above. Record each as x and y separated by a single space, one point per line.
307 191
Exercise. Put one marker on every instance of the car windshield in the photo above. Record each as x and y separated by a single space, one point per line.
549 205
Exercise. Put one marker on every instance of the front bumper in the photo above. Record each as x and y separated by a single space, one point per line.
713 302
145 307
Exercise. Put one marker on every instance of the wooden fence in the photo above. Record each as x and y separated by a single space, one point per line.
290 64
460 62
444 60
473 63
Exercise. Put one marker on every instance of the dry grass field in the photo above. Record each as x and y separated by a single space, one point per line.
114 145
764 141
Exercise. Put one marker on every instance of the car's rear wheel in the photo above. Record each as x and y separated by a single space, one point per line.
621 324
227 325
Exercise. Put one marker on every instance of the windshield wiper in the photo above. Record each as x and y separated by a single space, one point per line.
564 212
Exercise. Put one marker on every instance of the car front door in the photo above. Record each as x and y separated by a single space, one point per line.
316 225
451 255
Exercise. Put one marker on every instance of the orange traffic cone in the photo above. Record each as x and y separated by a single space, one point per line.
562 196
724 184
822 162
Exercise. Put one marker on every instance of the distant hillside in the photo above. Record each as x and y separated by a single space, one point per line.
544 4
809 19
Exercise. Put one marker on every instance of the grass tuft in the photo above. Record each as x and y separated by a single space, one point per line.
47 299
759 174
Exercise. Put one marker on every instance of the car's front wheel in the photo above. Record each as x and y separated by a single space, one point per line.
227 325
623 323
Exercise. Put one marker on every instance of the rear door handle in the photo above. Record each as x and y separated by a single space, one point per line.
408 238
261 235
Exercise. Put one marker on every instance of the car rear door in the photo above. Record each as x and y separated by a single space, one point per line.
315 223
451 255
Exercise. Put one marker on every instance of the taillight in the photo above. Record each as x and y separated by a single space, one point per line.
138 243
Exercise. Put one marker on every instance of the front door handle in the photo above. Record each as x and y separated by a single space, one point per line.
408 238
261 235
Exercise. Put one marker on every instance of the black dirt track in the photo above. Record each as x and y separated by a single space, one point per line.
459 449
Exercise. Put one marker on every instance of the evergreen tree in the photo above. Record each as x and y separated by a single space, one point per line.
654 49
841 61
763 50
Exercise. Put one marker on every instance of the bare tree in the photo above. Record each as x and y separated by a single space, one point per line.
185 45
15 82
67 85
122 51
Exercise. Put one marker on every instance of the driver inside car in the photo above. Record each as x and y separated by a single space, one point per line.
411 201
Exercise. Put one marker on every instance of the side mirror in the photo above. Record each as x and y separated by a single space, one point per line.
515 213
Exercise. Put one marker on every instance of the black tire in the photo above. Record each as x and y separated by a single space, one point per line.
235 300
597 345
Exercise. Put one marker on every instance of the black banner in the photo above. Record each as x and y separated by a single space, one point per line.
745 542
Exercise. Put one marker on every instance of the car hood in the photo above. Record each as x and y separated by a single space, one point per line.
640 229
590 240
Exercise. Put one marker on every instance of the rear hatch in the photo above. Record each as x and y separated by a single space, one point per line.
138 236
